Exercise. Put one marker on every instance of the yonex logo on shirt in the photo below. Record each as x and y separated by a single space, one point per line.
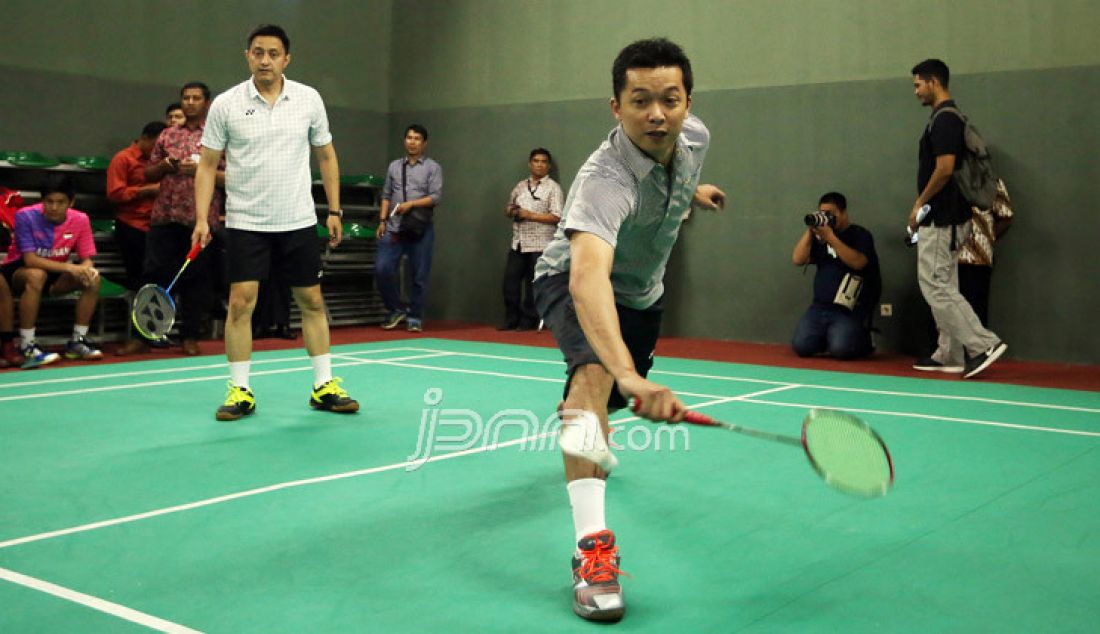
250 111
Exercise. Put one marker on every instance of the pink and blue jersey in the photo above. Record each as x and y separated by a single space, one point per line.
35 234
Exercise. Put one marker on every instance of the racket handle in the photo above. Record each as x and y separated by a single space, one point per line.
695 418
194 251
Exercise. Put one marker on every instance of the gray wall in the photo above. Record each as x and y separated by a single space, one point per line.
83 78
801 96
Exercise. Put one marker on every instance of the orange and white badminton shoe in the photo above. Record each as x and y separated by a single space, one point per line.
597 595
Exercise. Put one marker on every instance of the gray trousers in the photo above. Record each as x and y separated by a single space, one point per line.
938 273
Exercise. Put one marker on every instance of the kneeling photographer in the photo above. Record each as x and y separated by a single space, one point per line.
847 283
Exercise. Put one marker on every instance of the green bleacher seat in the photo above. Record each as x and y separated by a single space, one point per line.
107 288
103 225
32 159
87 162
356 231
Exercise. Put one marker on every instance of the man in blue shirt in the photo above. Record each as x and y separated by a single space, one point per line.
846 286
414 186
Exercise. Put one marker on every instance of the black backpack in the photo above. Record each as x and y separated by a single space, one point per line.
974 176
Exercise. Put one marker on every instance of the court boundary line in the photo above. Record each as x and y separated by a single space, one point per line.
89 601
220 364
435 353
949 419
219 377
694 375
293 484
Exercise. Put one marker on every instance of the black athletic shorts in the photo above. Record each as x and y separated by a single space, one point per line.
251 255
640 329
8 271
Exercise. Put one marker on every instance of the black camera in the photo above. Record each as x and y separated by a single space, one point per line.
819 219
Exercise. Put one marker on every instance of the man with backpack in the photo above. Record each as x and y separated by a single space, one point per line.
964 344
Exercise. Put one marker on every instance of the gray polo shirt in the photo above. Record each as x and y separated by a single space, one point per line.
634 204
425 179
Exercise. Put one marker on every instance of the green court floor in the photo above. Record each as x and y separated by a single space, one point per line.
441 507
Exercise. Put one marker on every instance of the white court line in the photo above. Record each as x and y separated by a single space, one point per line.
321 479
219 377
692 375
189 368
968 421
95 603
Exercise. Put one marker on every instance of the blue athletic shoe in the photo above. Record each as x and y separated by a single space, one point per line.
393 319
33 356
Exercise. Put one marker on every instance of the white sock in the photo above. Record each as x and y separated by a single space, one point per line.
79 331
322 369
26 335
238 373
587 498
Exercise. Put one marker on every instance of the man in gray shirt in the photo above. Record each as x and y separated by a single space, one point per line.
414 186
598 286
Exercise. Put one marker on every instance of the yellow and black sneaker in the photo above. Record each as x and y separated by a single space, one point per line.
330 396
238 402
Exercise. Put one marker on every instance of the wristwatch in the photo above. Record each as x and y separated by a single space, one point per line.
336 212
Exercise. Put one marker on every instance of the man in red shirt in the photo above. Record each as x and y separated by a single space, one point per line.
133 197
172 163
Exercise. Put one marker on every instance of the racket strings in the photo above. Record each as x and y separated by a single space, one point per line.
153 312
847 453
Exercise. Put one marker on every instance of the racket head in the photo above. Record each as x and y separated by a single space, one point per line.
847 453
153 312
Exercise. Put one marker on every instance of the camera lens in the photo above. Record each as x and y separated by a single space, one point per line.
819 219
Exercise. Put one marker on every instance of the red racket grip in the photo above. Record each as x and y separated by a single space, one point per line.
194 251
695 418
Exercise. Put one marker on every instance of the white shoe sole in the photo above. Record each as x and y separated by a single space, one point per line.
947 369
993 356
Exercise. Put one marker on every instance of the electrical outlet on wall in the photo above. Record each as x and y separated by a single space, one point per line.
886 310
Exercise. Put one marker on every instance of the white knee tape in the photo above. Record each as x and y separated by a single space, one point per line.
581 437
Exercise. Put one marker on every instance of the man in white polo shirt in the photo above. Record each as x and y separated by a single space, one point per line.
266 127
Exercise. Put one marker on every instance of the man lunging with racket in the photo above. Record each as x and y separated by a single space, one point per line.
266 127
598 286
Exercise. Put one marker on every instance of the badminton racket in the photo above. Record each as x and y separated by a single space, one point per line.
153 311
841 448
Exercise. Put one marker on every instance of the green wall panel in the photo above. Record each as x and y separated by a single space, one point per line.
775 150
341 47
492 52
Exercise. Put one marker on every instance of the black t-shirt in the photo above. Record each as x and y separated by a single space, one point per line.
831 269
944 136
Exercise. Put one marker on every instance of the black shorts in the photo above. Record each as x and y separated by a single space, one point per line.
640 329
297 254
8 271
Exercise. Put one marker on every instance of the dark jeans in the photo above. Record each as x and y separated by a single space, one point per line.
131 245
165 250
830 329
390 250
519 297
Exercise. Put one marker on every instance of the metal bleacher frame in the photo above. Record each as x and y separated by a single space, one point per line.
348 282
